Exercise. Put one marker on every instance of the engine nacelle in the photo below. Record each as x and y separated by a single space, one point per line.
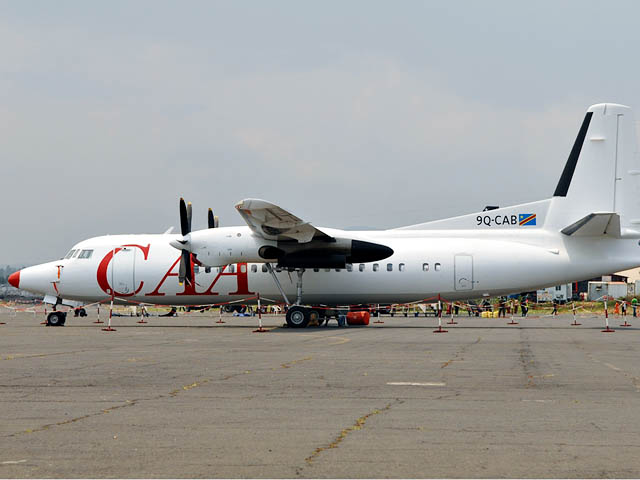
217 247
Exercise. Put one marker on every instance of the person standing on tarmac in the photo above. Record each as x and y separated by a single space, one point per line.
634 304
502 307
524 305
555 307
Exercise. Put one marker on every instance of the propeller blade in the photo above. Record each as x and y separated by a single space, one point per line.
182 272
216 221
184 222
189 215
211 219
189 276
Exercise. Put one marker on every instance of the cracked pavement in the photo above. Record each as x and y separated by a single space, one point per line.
186 397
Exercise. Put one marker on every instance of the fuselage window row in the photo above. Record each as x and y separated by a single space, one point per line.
349 267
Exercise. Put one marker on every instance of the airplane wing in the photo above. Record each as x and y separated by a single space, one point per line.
272 222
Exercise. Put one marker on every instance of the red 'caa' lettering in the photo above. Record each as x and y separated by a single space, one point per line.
240 274
103 282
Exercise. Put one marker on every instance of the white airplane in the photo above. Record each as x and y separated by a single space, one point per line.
589 227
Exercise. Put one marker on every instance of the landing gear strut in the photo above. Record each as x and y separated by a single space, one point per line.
297 315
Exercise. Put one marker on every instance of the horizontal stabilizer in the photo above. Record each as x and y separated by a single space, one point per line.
601 223
592 225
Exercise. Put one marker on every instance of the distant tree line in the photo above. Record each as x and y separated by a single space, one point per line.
5 272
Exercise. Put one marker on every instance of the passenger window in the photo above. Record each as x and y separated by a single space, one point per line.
389 267
254 268
401 267
243 268
349 267
232 268
264 268
425 267
196 269
437 267
375 267
327 269
361 267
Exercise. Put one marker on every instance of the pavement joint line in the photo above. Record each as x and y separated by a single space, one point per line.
418 384
358 425
457 357
294 362
38 355
635 381
130 403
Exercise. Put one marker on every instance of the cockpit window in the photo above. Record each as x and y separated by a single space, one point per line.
70 254
85 254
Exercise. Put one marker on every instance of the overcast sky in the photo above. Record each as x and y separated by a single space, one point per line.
347 113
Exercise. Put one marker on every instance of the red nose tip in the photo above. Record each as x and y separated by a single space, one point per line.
14 279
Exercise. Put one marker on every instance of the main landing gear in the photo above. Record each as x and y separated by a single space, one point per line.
56 319
300 317
297 315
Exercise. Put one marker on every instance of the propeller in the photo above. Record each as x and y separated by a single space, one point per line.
213 220
186 269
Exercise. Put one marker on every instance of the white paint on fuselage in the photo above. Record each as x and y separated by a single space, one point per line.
506 261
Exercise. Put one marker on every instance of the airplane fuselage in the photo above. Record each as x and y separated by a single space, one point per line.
453 264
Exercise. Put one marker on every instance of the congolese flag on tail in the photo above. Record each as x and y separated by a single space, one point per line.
527 219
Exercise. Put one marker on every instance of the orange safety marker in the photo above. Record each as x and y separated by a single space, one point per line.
142 311
574 316
109 329
606 320
379 316
98 319
624 316
220 320
440 330
260 329
512 322
451 321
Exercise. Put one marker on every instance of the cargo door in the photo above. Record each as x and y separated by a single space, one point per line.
122 271
463 272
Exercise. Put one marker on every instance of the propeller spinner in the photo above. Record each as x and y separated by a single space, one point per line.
185 272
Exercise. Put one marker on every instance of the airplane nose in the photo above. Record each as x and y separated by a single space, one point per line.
14 279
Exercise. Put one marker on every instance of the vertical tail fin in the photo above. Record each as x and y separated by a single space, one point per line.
602 173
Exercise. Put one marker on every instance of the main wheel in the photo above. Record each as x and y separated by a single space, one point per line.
297 317
83 312
314 318
56 319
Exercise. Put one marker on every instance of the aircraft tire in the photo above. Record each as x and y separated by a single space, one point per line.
83 312
315 318
56 319
298 317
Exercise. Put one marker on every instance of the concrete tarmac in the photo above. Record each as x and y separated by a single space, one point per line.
186 397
